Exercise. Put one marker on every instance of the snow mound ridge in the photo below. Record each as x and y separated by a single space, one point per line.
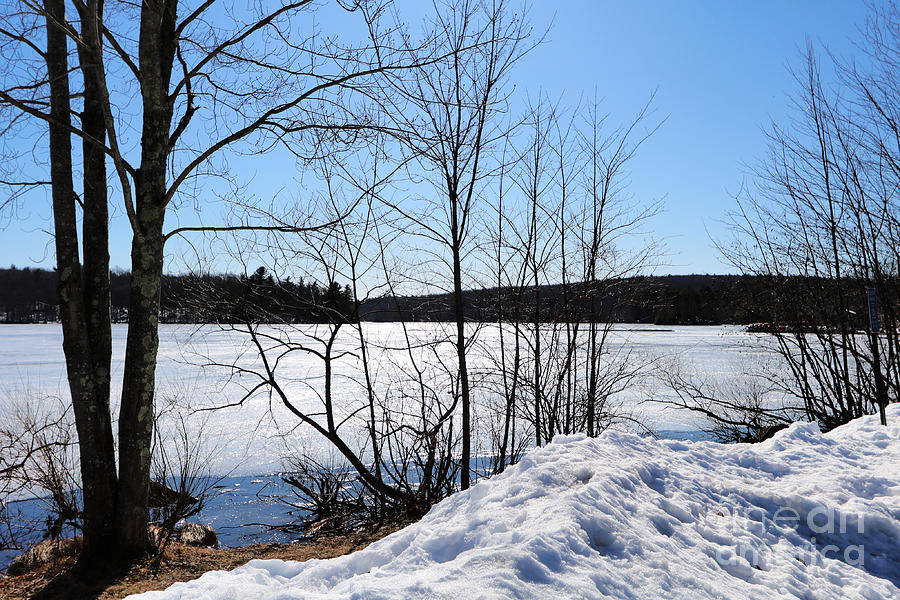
802 515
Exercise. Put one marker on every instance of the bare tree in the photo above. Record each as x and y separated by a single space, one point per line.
611 245
562 254
745 409
159 92
398 463
819 228
39 483
446 117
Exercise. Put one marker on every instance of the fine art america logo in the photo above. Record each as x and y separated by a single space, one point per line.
815 534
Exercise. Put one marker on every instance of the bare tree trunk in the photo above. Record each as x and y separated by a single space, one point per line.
139 381
156 54
95 228
83 297
508 390
458 99
459 313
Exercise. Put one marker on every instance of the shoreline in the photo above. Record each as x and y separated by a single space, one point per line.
178 562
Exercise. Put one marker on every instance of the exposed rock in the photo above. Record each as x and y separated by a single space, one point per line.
162 495
195 534
770 430
156 534
43 553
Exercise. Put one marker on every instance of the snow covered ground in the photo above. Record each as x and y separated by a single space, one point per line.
803 515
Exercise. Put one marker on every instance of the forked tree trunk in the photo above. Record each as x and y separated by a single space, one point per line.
83 297
156 53
138 385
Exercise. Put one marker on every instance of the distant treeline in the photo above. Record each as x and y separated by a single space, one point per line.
29 295
660 300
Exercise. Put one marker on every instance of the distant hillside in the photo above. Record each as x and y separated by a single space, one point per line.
29 295
663 300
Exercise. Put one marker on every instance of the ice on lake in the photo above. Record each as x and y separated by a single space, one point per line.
254 437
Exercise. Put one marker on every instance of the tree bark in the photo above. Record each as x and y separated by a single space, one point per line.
459 313
139 380
83 297
465 394
156 53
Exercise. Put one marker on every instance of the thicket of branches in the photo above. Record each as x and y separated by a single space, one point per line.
826 209
819 225
450 190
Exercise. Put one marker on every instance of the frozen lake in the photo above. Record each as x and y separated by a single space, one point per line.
253 438
247 444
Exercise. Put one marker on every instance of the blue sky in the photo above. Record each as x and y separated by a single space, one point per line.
721 71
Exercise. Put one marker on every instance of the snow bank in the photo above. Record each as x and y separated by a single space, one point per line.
802 515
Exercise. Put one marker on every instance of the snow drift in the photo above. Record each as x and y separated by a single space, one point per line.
802 515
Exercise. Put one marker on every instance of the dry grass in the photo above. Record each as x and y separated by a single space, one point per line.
178 563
